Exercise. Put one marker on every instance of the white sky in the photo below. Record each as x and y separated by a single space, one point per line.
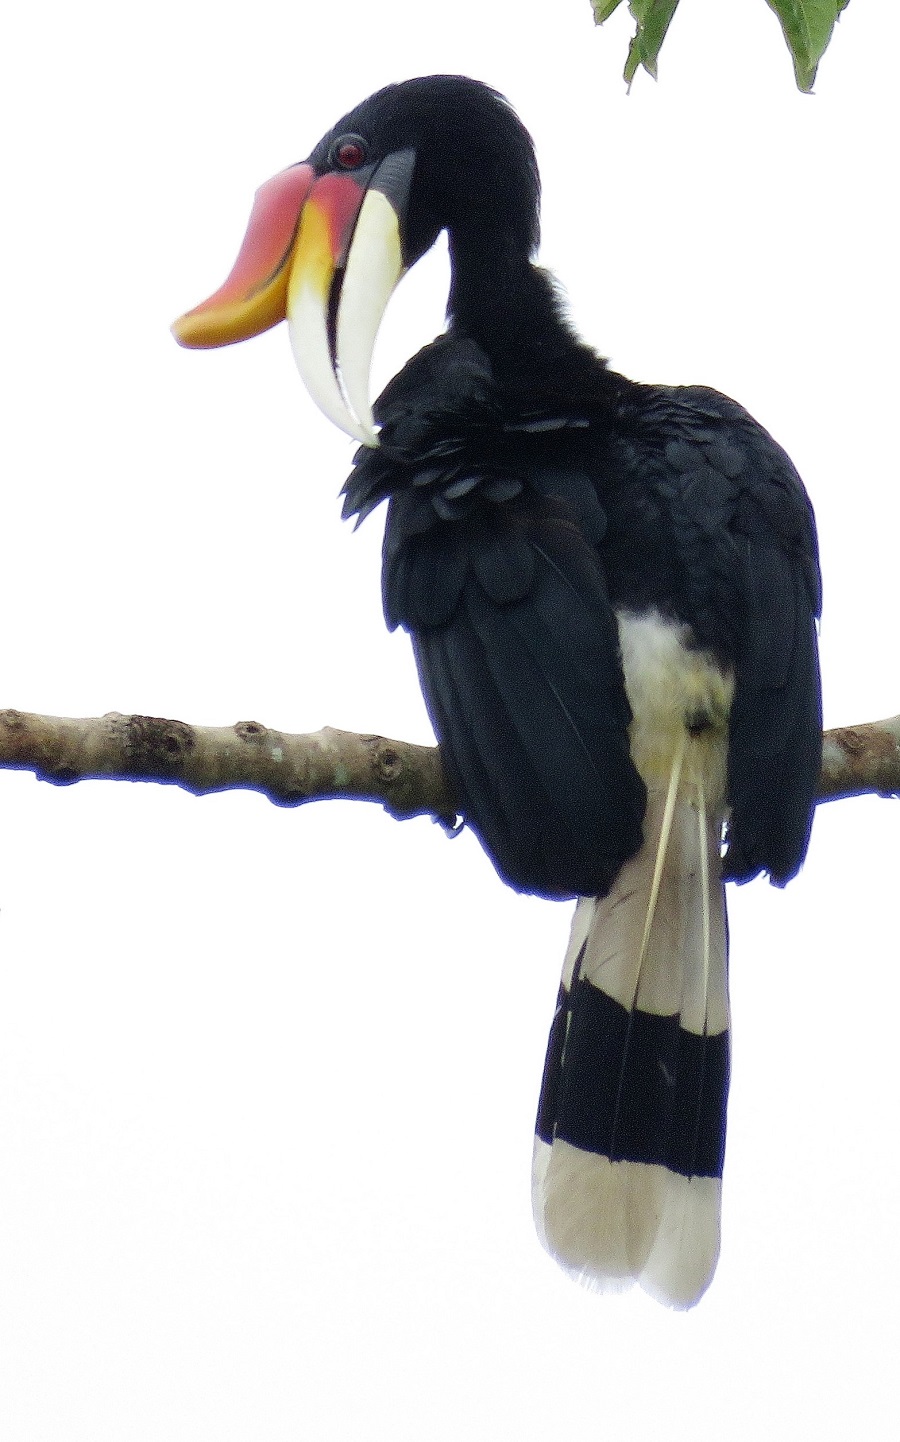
268 1078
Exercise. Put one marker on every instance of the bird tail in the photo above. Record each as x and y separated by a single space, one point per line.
631 1122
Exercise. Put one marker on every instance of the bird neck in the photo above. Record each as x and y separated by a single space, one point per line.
509 307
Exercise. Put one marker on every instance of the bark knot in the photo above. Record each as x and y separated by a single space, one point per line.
250 730
387 763
156 746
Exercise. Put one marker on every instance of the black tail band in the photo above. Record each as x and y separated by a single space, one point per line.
633 1086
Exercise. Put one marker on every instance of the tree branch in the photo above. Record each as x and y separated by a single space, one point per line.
407 779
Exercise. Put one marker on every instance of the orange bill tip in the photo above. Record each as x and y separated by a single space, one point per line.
254 297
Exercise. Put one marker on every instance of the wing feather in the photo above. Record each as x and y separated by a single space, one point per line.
528 701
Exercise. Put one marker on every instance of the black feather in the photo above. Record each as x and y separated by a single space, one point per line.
524 684
534 493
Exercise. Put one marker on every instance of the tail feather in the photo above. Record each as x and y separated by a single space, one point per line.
686 1246
630 1134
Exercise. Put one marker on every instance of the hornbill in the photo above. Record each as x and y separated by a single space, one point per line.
612 591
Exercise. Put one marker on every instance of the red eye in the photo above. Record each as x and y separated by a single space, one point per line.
349 152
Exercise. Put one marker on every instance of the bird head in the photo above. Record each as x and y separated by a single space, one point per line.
329 239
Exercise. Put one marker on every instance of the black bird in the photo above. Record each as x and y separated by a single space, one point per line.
612 591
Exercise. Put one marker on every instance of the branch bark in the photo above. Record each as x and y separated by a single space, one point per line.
408 780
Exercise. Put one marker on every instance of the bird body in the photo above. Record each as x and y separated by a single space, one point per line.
578 582
611 590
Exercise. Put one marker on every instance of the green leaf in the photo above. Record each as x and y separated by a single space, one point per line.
603 9
807 26
653 17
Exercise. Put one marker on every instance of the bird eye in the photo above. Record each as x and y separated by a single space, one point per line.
348 151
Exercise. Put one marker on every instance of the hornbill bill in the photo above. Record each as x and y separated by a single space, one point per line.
612 591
